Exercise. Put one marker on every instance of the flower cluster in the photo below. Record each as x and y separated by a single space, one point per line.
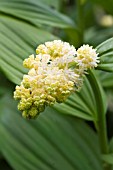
87 57
54 73
56 49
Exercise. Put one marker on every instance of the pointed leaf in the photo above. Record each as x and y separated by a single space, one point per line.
53 141
35 12
106 79
105 51
53 4
17 41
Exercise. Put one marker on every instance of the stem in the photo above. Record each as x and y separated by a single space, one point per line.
102 133
103 140
101 117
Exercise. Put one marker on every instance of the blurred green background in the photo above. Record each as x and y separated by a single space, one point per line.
54 141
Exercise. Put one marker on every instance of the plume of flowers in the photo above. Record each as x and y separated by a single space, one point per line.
87 57
54 73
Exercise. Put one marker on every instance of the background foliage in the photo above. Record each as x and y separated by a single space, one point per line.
59 139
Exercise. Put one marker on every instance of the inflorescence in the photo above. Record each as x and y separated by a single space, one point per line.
55 72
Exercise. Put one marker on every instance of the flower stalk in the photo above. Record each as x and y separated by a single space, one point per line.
103 140
101 117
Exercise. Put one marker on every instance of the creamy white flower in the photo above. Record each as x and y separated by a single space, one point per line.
56 48
87 57
55 72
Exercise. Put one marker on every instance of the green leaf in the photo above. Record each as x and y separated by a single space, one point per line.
36 12
18 40
95 35
53 141
106 79
4 83
105 46
106 67
105 51
53 4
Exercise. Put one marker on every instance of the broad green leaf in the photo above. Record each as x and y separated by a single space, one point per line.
85 103
105 46
18 40
95 36
106 67
35 12
53 4
105 51
4 83
53 141
106 79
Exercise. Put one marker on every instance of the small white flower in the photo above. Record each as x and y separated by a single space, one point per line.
56 48
87 57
